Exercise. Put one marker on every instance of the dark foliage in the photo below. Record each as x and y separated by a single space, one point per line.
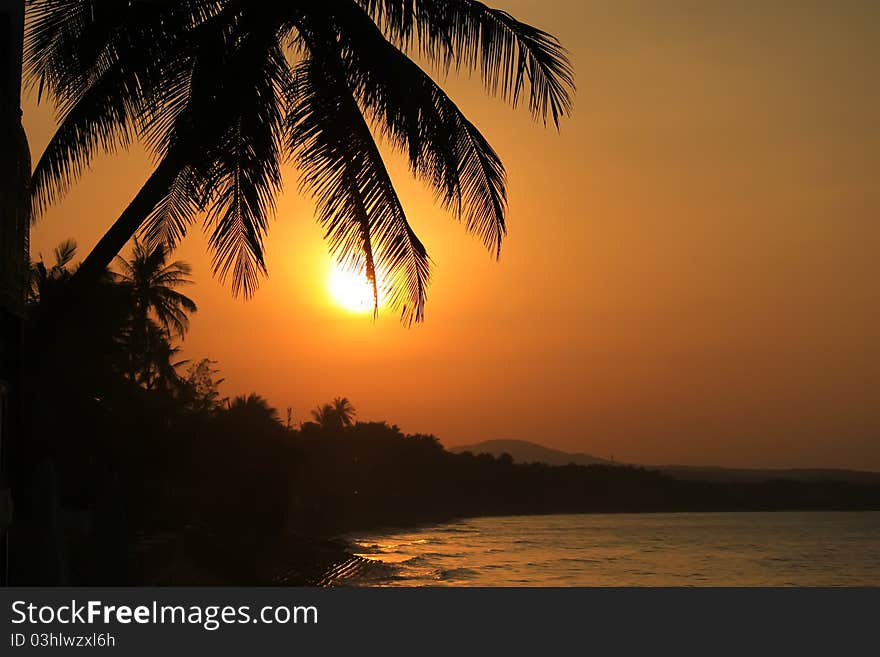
162 481
234 496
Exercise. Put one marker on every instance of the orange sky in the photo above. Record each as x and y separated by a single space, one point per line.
691 274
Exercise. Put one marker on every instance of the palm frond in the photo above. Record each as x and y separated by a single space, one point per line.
443 147
242 143
169 220
150 280
69 44
507 53
100 61
64 39
341 166
101 121
114 70
127 267
64 253
173 274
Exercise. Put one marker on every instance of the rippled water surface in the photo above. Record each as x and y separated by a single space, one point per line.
666 549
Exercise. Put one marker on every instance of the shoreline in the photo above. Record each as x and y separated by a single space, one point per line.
726 550
201 559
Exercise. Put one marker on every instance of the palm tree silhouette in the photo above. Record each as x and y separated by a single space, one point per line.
41 278
344 411
158 311
254 409
151 280
335 416
142 296
326 417
222 91
45 285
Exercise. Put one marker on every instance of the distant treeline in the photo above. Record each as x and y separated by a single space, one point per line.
236 481
148 476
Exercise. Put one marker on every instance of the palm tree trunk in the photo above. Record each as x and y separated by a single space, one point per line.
109 246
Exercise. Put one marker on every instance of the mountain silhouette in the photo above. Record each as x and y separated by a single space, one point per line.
523 451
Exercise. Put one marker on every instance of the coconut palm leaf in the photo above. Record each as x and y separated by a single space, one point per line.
105 62
443 147
221 91
468 34
340 164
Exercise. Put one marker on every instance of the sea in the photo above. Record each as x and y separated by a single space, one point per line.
656 549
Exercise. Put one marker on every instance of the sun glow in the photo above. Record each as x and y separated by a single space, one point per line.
351 290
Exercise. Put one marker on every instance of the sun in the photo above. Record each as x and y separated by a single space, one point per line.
350 290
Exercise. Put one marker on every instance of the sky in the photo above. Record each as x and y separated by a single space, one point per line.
691 272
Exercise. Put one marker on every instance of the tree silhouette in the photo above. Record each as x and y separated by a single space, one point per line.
157 367
334 416
138 311
158 311
42 278
326 417
253 410
201 387
152 281
222 91
344 411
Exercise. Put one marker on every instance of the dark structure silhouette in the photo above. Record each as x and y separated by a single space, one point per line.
15 170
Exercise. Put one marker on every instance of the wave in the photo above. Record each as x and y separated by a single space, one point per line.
428 558
457 573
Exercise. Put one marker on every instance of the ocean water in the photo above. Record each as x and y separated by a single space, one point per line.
660 549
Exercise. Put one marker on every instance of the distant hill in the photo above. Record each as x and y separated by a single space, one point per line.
524 451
